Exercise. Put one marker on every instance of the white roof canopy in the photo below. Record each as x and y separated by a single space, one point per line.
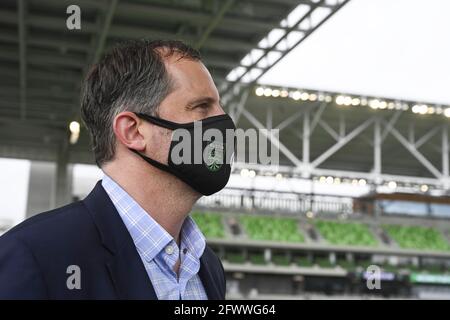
388 48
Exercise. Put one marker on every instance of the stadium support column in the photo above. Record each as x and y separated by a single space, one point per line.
41 186
445 158
63 185
306 172
269 118
377 152
377 141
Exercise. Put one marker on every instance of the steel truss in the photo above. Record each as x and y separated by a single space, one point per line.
382 124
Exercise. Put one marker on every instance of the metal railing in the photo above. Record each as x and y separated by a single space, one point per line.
269 201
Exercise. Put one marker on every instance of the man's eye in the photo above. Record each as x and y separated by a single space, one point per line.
203 106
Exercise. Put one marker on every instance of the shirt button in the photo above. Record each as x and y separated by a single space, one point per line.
184 250
169 249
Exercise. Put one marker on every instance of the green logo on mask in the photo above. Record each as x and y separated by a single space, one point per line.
214 156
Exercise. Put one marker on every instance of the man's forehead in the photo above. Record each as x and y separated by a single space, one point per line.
176 63
191 75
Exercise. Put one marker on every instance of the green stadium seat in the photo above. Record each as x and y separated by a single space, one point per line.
280 259
324 262
417 237
257 258
210 224
271 228
346 233
345 264
235 257
304 262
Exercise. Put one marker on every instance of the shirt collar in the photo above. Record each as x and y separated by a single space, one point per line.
147 234
192 238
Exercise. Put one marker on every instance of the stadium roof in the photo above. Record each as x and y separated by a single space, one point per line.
52 58
42 63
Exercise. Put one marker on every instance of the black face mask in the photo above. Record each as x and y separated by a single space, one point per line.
209 172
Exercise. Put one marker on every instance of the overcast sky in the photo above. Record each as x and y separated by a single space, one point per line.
387 48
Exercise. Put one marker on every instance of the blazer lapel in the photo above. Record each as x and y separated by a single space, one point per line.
129 276
125 266
210 285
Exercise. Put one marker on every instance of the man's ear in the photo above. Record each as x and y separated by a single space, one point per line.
126 128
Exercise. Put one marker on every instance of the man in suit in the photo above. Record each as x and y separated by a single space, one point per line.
132 236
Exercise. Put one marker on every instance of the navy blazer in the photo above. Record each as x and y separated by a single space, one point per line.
36 254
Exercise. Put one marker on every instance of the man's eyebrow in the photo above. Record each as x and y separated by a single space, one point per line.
208 100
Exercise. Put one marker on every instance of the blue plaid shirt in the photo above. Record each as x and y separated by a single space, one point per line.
159 251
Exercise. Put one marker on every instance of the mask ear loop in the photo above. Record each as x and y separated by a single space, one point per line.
154 163
164 167
174 125
158 121
162 123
